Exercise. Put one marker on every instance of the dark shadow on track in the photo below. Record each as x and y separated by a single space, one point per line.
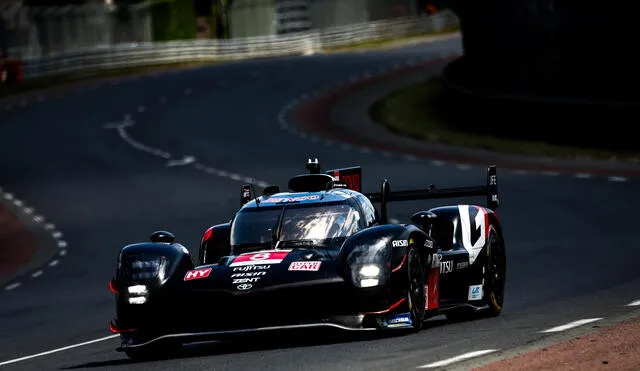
261 342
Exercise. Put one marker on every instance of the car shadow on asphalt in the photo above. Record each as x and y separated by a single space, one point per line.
262 342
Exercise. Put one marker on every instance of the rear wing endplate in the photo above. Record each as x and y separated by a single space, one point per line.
489 190
351 177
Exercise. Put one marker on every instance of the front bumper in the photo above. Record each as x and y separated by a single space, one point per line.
130 342
211 314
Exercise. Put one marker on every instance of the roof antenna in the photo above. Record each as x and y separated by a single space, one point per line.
313 166
255 195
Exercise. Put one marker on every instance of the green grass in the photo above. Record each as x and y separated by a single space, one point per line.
415 111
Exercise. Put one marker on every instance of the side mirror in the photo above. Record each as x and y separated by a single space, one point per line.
440 229
425 220
162 237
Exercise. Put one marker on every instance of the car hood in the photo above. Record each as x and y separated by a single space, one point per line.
267 269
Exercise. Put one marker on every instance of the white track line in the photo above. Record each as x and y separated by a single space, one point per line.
571 325
55 234
172 161
16 360
12 286
617 179
460 358
634 303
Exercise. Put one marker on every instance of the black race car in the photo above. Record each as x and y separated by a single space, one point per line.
318 255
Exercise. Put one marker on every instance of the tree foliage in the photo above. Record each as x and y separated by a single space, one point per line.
53 2
173 20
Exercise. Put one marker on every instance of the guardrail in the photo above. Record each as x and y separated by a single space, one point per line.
304 43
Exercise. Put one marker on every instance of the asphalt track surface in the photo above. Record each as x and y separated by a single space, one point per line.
572 243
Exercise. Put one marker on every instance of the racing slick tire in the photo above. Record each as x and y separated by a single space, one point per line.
495 269
495 274
416 296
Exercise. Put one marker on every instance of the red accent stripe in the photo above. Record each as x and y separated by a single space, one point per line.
486 222
394 306
112 287
116 330
401 264
207 235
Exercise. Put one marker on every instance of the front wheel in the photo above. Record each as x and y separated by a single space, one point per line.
416 292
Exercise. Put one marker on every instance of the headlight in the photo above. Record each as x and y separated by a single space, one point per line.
137 294
369 275
367 263
144 268
370 270
137 290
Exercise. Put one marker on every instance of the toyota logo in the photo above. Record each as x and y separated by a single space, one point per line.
245 286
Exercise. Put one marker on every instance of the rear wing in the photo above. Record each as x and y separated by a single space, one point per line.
489 190
350 177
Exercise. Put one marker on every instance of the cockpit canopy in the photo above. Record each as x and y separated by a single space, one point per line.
323 225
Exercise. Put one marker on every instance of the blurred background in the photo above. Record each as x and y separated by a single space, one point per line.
34 28
571 65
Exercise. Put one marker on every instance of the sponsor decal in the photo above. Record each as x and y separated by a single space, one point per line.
433 289
400 243
475 292
270 257
249 274
426 296
278 200
305 266
493 180
462 265
197 274
446 266
245 280
352 180
474 223
398 320
244 286
428 244
248 268
435 262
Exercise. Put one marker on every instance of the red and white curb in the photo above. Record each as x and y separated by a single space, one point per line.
41 221
286 124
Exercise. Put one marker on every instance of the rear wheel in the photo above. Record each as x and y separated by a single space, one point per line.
416 294
495 274
495 267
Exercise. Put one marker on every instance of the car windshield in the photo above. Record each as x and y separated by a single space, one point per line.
312 225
